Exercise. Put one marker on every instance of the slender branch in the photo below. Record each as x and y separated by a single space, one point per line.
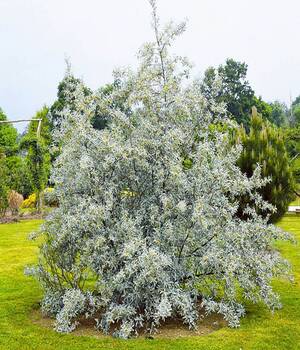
182 246
296 193
296 156
203 245
160 45
18 121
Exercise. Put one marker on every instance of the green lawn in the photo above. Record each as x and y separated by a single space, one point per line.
296 201
19 296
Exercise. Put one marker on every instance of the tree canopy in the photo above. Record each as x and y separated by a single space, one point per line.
8 137
239 97
138 237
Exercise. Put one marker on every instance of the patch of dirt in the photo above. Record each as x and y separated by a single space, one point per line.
171 328
14 219
8 220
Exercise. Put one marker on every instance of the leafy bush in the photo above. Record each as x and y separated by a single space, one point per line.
292 139
3 185
3 200
138 236
30 202
15 201
49 197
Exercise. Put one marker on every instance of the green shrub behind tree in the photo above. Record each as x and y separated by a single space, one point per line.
38 160
264 145
9 175
8 137
292 140
3 185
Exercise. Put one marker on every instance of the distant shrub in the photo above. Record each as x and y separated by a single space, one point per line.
50 198
3 201
15 201
30 202
3 185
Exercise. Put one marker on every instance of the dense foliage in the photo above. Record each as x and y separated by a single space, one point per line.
8 137
3 186
24 160
240 97
264 144
64 98
292 137
35 160
8 149
280 113
138 237
295 112
235 90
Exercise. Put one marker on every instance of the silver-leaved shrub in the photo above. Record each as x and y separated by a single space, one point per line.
147 225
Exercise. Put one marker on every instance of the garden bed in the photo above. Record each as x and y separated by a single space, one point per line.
171 328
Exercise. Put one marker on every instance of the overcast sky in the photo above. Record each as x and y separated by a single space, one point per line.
99 35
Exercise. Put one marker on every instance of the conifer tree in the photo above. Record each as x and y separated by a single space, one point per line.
265 145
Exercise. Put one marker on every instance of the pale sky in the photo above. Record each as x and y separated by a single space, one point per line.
98 35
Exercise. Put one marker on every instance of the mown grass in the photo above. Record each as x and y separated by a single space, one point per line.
19 296
296 201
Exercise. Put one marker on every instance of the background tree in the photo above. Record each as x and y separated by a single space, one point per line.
279 114
295 112
45 131
239 96
235 90
262 107
13 173
292 137
64 96
37 156
18 175
4 188
8 137
115 97
264 144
